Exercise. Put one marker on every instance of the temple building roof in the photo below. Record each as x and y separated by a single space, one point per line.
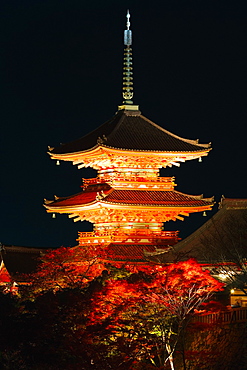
20 260
106 194
133 252
223 236
129 130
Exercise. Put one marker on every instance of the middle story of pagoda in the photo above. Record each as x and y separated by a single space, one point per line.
128 202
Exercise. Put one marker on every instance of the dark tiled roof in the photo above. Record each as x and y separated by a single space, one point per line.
131 252
20 260
131 131
225 233
147 197
87 196
135 197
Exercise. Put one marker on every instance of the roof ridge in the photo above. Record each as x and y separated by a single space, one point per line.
189 141
121 114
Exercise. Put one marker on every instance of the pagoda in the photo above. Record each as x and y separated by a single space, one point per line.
128 202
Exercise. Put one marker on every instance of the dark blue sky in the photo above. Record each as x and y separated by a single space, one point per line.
61 77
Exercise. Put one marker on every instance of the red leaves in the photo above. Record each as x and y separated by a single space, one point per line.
116 296
135 312
148 309
179 288
68 267
183 287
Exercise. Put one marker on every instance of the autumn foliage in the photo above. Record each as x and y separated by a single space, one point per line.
90 313
67 267
151 308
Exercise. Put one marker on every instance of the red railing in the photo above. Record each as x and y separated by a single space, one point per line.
103 179
224 317
122 235
130 233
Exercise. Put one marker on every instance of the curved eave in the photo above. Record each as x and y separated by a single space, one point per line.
96 205
105 196
101 149
115 205
147 207
52 207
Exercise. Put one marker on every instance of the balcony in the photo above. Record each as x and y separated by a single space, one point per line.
124 181
127 236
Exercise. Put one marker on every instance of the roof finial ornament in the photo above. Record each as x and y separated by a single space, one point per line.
128 20
127 70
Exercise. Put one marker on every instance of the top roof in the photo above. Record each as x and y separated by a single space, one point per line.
130 130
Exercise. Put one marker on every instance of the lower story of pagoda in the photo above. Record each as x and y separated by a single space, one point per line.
129 215
129 245
129 236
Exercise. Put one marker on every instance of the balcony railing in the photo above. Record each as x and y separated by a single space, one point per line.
121 235
120 177
222 317
132 181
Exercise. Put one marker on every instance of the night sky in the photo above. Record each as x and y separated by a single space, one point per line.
61 77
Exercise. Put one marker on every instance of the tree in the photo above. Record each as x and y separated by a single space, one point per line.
66 267
48 331
89 313
148 310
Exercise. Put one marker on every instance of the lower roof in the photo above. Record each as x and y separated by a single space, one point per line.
107 194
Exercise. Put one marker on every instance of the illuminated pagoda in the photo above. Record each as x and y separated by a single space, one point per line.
128 202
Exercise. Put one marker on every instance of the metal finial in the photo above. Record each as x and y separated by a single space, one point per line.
128 20
127 70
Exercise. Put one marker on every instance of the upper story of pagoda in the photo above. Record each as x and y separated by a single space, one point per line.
129 142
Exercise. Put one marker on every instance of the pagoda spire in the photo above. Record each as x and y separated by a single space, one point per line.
127 91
